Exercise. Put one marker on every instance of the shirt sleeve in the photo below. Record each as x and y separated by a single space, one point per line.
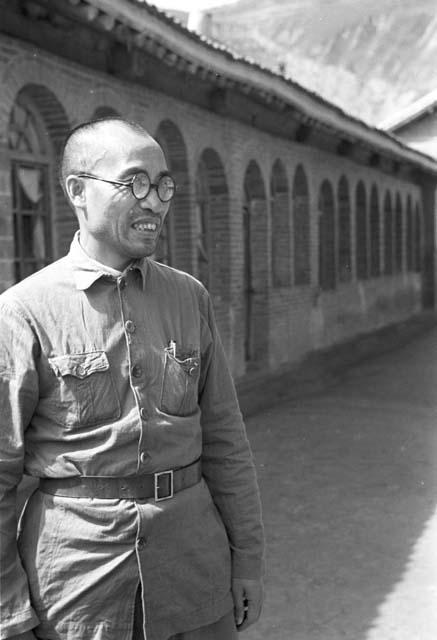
18 399
227 462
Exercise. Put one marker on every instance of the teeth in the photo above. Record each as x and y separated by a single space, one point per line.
145 226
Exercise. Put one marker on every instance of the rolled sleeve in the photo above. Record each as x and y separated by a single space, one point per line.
18 399
227 460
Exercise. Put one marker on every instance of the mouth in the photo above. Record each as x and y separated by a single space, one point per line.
145 227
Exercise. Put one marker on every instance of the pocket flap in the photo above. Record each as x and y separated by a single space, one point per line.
79 365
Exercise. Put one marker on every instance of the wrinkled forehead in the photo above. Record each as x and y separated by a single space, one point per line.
118 146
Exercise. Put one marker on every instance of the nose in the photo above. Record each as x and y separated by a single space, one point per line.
151 200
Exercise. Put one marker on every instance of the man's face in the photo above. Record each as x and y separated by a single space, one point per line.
116 227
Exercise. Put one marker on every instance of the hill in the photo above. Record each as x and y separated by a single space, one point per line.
371 58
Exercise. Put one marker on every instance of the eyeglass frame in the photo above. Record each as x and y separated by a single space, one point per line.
130 183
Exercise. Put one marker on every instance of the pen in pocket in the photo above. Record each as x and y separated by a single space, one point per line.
172 348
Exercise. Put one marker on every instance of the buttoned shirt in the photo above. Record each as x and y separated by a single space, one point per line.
119 374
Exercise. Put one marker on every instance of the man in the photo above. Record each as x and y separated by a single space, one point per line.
115 392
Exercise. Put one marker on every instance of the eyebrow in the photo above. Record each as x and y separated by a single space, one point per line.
128 172
134 170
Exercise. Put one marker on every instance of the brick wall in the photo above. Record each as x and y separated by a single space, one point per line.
266 318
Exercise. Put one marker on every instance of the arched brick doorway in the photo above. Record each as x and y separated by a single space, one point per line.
344 231
375 235
399 235
418 239
361 232
410 236
280 226
175 245
301 228
212 236
327 252
388 235
255 266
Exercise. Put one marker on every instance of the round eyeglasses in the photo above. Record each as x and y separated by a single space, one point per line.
141 185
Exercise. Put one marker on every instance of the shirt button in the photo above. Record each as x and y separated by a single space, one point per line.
143 413
137 371
143 457
141 542
130 326
121 283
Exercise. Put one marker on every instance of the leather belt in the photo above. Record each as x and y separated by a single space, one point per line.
160 486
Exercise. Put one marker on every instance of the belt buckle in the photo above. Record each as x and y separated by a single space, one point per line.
157 477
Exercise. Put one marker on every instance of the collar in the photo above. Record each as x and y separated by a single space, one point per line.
86 270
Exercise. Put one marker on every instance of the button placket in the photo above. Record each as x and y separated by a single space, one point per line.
136 368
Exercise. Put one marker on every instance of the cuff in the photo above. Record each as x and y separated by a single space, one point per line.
19 623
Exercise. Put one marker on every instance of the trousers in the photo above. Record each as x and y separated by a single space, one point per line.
223 629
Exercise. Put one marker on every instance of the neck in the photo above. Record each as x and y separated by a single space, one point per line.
104 255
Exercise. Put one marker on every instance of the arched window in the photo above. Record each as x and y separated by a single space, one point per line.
418 240
410 236
301 228
280 226
327 279
375 240
361 232
344 231
30 168
388 235
399 249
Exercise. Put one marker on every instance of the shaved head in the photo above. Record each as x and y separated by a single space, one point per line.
100 164
88 143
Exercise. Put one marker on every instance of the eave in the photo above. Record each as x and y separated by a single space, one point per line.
225 82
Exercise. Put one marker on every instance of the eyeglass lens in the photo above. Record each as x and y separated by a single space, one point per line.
165 187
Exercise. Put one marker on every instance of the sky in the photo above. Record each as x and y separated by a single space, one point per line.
189 5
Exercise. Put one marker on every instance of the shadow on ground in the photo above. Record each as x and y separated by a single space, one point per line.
348 479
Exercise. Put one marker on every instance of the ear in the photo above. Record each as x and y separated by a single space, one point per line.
75 190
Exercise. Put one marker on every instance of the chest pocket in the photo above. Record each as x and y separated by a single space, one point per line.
180 384
86 393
